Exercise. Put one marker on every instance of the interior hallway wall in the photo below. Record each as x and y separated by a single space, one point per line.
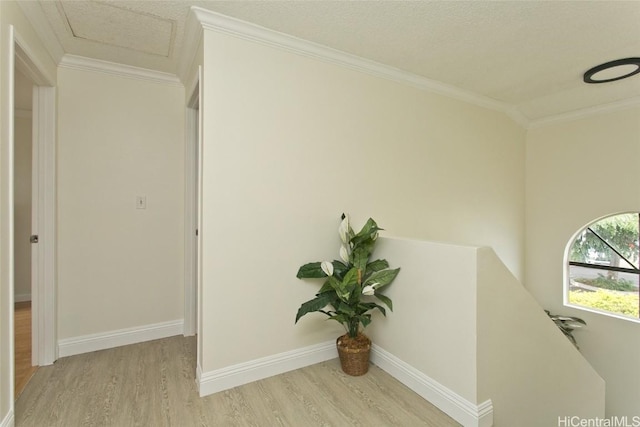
22 206
291 142
578 172
118 266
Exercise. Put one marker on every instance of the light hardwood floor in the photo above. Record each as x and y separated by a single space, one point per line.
153 384
22 324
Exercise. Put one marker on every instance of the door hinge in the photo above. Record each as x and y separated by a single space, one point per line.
33 238
196 231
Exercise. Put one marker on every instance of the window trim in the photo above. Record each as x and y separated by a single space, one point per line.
567 270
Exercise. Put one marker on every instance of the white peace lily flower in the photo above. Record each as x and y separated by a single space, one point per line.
368 290
375 285
344 253
327 267
344 229
343 235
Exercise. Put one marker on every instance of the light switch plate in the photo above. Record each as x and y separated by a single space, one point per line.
141 202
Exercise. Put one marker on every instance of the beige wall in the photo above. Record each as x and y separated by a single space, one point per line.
10 14
526 366
118 266
22 208
433 325
291 142
577 172
461 318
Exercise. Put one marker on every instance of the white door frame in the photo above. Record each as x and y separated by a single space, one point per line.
193 226
43 254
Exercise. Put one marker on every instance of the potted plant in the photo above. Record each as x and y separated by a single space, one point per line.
351 290
567 324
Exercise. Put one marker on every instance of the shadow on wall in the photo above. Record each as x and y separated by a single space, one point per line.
466 327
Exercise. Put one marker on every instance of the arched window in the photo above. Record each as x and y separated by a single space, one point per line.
604 274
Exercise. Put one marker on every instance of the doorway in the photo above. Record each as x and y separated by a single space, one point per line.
33 239
193 223
22 213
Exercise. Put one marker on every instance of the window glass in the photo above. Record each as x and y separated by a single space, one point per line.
603 266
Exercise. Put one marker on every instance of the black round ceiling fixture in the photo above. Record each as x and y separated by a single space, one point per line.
588 76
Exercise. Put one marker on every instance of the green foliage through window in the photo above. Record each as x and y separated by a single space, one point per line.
624 304
604 263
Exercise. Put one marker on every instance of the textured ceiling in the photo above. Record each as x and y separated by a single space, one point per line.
528 54
112 25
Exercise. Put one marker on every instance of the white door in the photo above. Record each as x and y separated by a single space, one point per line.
193 230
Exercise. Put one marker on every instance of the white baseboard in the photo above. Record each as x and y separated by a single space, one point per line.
8 419
466 413
101 341
198 375
22 298
254 370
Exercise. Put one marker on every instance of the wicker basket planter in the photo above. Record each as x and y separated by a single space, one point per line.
354 354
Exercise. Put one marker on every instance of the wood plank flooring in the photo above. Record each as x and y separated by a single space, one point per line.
153 384
22 325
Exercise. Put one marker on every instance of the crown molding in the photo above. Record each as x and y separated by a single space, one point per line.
190 42
31 64
34 14
585 112
95 65
213 21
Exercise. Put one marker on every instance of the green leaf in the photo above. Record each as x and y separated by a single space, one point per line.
383 277
364 307
311 270
338 288
382 310
385 299
340 318
345 309
360 255
350 279
365 319
315 304
339 269
377 265
326 287
369 229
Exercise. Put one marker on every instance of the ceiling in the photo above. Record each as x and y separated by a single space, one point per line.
529 55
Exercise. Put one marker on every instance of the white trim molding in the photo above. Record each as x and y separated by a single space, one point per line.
467 413
82 63
22 298
190 222
111 339
198 374
254 370
585 112
35 15
460 409
217 22
31 64
192 37
43 258
8 420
